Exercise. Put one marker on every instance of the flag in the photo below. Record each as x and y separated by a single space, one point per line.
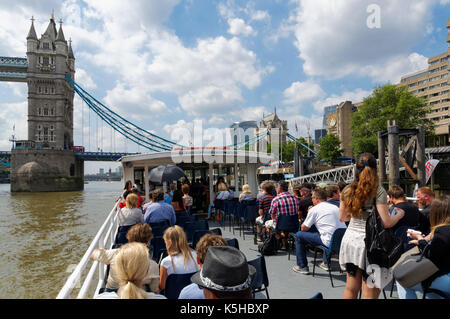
429 168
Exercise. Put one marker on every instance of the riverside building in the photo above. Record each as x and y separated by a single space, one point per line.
433 84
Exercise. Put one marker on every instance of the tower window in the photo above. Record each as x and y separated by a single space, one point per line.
45 61
46 45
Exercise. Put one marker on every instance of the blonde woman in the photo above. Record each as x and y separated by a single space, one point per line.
246 193
181 258
356 200
141 233
131 267
130 214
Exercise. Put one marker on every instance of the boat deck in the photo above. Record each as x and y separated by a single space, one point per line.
284 283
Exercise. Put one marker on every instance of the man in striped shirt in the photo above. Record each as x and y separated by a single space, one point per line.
264 203
284 204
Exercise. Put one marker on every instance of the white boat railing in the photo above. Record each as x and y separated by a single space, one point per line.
104 238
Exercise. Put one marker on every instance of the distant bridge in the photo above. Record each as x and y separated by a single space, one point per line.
5 157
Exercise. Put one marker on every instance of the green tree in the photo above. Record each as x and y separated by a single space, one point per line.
330 148
387 102
288 149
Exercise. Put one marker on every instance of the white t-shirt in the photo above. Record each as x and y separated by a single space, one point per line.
180 267
325 217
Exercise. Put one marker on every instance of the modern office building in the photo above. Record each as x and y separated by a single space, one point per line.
319 135
433 84
244 132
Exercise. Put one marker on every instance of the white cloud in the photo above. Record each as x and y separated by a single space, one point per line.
300 92
84 79
238 27
333 39
13 115
134 103
355 96
396 67
259 15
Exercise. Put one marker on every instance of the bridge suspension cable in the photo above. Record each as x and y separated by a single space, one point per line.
292 138
121 125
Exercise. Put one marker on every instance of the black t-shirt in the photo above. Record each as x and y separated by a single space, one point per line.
411 218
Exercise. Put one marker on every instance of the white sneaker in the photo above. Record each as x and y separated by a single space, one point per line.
323 266
303 271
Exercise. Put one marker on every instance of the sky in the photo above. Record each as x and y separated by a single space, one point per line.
165 64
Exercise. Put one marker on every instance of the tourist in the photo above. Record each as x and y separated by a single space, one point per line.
220 180
140 199
141 233
177 201
194 291
412 215
264 203
130 214
356 199
187 199
283 204
150 201
305 202
215 278
168 196
223 194
438 250
296 192
159 211
425 196
341 186
181 258
246 193
131 267
333 195
325 217
126 190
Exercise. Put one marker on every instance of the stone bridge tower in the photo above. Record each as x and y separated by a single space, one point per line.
50 97
46 162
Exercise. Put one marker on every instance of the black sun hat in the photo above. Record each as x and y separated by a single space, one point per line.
225 269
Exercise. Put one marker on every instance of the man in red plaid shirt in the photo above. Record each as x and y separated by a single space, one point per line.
284 204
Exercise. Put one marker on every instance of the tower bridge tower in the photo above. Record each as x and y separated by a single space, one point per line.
46 162
50 97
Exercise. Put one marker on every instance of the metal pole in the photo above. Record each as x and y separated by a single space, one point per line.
421 156
394 171
381 159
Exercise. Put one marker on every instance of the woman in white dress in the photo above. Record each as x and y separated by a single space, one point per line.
356 199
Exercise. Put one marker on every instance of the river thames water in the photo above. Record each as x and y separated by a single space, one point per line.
42 234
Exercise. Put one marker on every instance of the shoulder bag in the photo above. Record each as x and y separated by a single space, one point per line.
383 247
413 268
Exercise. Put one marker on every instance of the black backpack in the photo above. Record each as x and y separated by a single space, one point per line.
269 247
383 247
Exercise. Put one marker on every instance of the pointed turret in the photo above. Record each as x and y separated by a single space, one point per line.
71 56
51 29
32 33
60 35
